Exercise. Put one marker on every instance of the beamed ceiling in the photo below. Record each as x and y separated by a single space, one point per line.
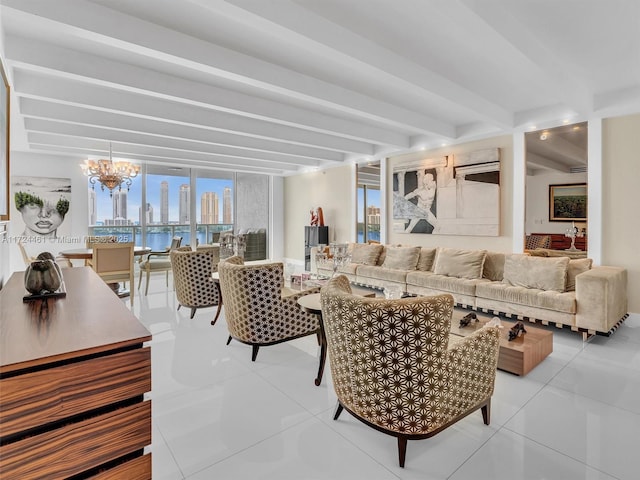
283 86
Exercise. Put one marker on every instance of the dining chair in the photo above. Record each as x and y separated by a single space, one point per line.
25 256
157 262
113 262
91 240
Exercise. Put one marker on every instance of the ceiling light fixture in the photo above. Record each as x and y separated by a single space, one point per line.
544 135
110 174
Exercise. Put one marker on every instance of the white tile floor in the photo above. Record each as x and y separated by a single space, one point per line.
217 415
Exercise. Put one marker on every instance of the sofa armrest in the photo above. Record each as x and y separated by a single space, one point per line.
601 297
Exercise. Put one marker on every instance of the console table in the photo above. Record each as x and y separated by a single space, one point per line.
73 375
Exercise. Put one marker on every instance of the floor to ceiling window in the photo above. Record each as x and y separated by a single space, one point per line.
368 203
160 205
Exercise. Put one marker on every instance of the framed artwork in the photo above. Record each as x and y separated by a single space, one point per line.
4 146
450 195
568 202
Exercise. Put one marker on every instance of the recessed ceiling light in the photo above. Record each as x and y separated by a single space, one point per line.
544 135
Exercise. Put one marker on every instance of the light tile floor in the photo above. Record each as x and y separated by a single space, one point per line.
217 415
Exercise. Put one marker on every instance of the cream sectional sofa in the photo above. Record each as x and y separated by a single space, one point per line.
567 292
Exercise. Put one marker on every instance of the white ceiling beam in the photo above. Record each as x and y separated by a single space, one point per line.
281 133
172 134
534 160
34 55
42 87
297 25
176 146
562 148
169 161
90 146
557 75
619 102
109 27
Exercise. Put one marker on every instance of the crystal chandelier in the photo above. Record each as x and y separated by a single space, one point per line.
110 174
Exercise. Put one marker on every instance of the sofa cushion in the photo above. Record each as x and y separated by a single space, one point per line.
494 266
532 297
365 254
381 273
427 256
459 263
544 273
576 267
401 258
444 283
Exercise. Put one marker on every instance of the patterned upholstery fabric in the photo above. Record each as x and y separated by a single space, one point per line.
255 310
392 365
537 241
195 287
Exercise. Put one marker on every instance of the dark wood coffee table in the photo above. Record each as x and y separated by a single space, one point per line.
518 356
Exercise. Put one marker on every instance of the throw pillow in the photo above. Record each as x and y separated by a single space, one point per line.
576 267
459 263
494 266
427 256
402 258
543 273
365 254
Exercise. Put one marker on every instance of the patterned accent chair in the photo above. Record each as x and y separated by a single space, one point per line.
393 367
192 271
537 241
257 311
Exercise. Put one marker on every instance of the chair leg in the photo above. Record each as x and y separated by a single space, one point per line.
323 356
193 312
166 279
486 413
179 306
146 288
338 411
402 449
229 340
254 352
140 280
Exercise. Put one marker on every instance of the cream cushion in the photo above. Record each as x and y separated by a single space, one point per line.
366 254
459 263
543 273
576 267
494 266
425 261
532 297
401 258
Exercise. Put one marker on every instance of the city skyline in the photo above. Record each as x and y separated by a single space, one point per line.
160 188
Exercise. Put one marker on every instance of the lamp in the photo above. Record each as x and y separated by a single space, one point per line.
110 174
573 232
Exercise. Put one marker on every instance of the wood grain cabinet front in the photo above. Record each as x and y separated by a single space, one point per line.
73 380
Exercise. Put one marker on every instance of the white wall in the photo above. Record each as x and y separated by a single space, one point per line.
333 190
537 203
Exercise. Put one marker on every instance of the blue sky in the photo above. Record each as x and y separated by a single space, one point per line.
373 199
105 205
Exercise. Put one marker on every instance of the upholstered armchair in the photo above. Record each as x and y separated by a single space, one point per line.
157 262
256 311
393 367
113 262
195 287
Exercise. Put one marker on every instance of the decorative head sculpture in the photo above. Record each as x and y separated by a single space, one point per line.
317 218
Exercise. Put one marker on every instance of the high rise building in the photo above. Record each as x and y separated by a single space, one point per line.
93 207
209 208
148 212
120 205
164 202
185 204
227 202
373 215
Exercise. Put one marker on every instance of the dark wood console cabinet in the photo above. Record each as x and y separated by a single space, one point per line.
74 372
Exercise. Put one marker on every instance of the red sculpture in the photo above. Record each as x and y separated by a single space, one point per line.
317 218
